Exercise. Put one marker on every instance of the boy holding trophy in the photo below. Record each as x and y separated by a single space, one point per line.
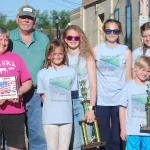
133 110
14 82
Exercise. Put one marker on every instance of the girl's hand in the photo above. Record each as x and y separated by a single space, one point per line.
2 102
90 116
123 134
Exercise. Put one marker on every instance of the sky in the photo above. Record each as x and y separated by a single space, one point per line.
10 7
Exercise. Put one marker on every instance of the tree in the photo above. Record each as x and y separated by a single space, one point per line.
43 20
11 24
3 20
63 17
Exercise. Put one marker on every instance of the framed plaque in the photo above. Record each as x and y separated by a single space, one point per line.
8 88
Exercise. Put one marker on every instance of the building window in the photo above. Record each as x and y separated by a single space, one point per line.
128 17
116 14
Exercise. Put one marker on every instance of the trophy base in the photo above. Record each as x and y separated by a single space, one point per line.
93 144
145 129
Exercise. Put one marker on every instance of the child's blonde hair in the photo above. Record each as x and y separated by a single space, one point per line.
51 46
142 62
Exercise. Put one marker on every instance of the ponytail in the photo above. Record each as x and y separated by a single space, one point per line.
144 49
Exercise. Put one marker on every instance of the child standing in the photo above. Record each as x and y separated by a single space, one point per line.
132 112
55 83
145 37
114 67
81 58
145 48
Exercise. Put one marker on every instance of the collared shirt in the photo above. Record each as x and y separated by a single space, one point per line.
33 54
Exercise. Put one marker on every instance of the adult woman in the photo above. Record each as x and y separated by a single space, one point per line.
12 117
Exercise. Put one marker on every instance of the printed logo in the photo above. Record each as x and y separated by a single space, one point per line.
6 65
110 63
60 88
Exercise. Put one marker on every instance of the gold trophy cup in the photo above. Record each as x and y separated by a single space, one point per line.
146 129
94 141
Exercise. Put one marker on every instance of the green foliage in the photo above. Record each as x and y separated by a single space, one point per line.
45 19
62 16
11 24
2 20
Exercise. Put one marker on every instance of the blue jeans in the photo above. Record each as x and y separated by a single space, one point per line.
77 137
137 142
36 136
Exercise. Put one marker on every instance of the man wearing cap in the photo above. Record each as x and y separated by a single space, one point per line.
31 45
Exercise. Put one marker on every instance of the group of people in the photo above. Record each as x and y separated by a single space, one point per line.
49 74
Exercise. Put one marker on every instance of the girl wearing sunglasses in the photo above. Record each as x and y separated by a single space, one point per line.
145 48
81 58
113 69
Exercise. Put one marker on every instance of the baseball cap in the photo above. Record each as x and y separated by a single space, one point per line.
27 11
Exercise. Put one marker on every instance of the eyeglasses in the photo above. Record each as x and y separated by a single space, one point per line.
70 37
109 31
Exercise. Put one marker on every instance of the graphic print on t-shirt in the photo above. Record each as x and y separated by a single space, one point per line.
138 108
109 64
59 89
6 65
78 70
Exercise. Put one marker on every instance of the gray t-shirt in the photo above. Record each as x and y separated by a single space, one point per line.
134 98
110 73
79 64
57 86
137 53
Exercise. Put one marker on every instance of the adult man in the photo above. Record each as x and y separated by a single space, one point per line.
31 45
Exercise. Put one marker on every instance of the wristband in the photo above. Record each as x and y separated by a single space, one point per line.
92 107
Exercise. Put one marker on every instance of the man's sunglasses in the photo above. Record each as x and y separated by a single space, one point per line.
70 37
109 31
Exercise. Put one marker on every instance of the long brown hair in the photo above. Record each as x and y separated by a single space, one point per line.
84 47
144 27
51 46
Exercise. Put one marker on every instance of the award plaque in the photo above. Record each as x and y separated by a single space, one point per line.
146 129
8 88
95 140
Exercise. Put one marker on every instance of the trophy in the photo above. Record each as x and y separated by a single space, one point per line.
94 141
146 129
8 88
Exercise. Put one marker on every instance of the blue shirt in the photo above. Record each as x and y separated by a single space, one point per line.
57 86
79 64
137 53
110 73
134 98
